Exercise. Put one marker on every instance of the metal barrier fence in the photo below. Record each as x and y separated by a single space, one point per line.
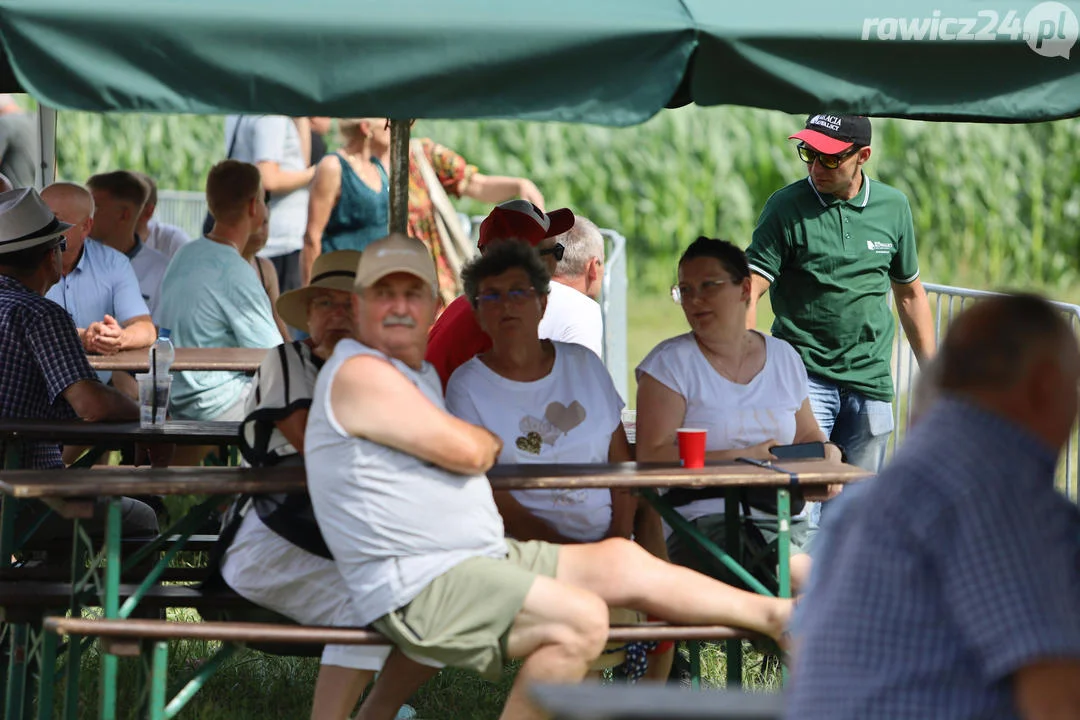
947 302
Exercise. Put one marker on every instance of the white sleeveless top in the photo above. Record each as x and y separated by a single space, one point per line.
392 521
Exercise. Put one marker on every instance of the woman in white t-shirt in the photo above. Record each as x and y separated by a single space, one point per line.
549 402
747 390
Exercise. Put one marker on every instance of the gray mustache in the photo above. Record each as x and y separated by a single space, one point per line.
403 320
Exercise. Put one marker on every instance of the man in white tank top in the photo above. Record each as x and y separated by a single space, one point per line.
400 495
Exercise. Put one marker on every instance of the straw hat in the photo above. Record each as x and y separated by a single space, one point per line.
332 271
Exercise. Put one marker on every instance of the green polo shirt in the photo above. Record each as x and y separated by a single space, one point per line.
830 262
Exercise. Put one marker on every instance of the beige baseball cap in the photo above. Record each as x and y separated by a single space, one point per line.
395 253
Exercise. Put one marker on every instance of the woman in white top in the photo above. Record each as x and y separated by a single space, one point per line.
747 390
549 402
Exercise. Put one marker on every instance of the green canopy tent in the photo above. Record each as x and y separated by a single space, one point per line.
612 62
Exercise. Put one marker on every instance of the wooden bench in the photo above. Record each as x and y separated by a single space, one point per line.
651 702
60 572
149 639
123 633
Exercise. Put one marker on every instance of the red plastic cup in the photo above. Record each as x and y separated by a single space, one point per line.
692 447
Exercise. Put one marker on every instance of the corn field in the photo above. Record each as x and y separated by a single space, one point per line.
994 205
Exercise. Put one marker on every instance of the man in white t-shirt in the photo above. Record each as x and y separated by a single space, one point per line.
581 269
272 143
163 237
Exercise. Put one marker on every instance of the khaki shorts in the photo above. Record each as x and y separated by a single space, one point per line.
463 617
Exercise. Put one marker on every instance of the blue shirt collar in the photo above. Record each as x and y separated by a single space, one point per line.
1000 429
135 249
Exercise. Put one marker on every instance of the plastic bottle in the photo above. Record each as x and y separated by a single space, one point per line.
162 353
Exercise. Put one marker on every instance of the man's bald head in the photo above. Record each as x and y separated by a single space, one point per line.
70 202
1017 355
73 204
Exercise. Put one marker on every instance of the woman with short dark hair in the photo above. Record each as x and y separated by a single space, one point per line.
747 389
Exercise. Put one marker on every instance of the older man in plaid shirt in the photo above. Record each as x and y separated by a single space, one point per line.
950 587
44 373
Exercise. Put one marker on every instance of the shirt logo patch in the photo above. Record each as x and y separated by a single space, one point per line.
881 248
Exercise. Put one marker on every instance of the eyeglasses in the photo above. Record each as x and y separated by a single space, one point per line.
325 303
557 250
514 297
706 290
808 155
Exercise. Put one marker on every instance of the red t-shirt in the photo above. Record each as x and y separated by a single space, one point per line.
455 338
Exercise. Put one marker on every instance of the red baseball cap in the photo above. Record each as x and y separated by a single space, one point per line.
522 220
833 134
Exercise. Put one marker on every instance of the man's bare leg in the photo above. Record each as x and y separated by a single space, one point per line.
559 631
625 575
396 683
800 572
336 691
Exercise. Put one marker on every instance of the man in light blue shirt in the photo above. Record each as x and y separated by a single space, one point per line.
119 197
950 584
98 287
211 296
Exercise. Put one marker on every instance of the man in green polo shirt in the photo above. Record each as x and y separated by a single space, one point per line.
827 248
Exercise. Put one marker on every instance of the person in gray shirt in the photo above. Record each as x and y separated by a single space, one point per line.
274 144
17 142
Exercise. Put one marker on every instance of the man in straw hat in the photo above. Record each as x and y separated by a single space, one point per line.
44 373
401 499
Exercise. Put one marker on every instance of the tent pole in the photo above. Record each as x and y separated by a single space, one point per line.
46 169
399 175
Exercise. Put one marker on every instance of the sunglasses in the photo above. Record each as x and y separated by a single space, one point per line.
557 250
808 155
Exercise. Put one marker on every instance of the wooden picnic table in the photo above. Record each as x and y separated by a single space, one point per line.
72 492
245 360
78 432
67 487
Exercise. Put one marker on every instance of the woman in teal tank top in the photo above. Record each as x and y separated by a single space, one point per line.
349 205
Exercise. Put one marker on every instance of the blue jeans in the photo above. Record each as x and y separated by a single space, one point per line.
858 424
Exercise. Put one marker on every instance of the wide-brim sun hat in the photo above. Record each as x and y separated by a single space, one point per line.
331 271
26 221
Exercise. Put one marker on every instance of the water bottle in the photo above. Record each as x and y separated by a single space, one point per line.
154 386
162 354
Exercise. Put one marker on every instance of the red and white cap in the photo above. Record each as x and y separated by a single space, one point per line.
834 134
521 220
